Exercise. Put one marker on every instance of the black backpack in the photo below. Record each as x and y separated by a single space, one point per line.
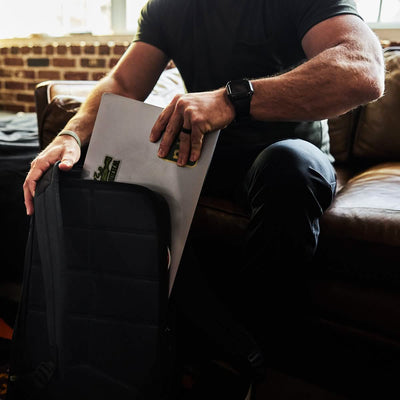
94 319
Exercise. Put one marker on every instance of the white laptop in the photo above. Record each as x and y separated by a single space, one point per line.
120 140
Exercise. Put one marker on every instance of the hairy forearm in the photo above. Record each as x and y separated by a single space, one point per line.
331 83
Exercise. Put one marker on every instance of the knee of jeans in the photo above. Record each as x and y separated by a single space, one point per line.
288 171
282 165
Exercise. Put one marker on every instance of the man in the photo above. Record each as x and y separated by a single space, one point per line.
290 64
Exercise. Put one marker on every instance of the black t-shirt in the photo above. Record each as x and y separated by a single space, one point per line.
213 41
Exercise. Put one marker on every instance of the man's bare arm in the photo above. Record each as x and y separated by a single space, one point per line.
345 68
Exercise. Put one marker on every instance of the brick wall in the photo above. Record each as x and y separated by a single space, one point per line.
23 66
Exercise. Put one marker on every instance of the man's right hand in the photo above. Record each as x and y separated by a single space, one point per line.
62 148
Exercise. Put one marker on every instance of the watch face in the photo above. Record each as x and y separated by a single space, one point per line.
240 88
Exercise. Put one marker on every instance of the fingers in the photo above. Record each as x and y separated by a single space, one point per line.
163 120
67 162
178 115
172 129
63 148
185 144
38 167
29 188
191 138
197 137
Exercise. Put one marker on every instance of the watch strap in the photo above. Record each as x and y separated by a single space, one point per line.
242 108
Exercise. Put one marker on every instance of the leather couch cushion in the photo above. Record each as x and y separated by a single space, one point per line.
378 131
360 232
368 207
341 131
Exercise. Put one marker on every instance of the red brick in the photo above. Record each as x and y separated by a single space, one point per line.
76 50
13 107
25 49
49 75
119 49
4 50
26 98
13 61
25 74
96 76
89 49
104 49
93 62
83 76
31 86
62 49
63 62
5 73
15 85
49 49
112 62
37 49
7 97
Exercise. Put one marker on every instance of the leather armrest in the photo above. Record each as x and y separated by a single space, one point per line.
49 89
57 102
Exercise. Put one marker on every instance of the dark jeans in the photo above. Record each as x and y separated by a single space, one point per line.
286 187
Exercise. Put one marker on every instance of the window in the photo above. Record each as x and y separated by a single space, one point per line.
59 17
380 13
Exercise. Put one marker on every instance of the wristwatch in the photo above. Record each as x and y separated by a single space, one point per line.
239 92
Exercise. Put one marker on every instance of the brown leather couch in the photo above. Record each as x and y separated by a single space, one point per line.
350 338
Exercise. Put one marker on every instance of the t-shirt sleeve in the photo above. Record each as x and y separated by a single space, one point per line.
307 13
150 25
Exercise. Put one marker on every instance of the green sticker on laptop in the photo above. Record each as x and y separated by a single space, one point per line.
173 153
107 171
